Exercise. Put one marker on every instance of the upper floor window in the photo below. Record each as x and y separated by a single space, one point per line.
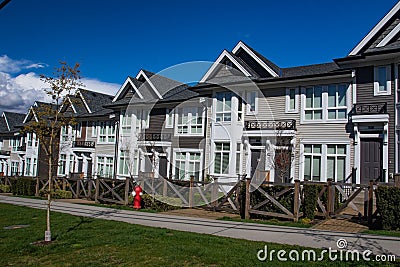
64 133
337 107
325 103
106 132
313 108
29 141
169 118
94 129
78 130
252 100
382 81
142 119
291 100
15 143
224 106
126 123
190 121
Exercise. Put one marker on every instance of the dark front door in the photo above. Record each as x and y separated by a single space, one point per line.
255 160
162 166
89 168
371 159
80 165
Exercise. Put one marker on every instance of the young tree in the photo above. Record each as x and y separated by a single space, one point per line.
49 120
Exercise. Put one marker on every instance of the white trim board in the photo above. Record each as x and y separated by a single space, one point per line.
255 57
141 73
224 53
128 80
84 101
375 30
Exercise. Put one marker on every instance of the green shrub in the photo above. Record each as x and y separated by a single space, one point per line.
310 200
23 186
56 194
5 188
160 203
387 204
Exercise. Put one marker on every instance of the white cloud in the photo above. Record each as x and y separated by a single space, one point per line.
101 87
10 65
18 93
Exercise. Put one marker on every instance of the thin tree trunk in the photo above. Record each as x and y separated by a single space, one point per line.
47 235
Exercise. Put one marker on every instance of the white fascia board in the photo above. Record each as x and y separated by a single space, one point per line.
255 57
84 101
5 118
370 118
218 61
128 80
390 36
375 30
141 73
70 102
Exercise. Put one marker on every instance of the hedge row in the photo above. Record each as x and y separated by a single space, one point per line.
23 187
387 203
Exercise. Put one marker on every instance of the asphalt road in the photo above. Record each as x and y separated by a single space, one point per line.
266 233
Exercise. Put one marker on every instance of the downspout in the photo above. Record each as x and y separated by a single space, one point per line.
116 146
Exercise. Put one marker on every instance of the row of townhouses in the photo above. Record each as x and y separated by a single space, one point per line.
247 115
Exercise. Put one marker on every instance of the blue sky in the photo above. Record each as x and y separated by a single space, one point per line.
114 39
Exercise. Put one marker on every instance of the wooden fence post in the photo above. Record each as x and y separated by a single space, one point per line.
96 195
37 187
126 201
330 200
90 186
214 193
370 201
191 191
78 188
296 204
247 205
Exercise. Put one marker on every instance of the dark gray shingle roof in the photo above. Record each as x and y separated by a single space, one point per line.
14 120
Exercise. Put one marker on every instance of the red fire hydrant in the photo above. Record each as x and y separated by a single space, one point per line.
137 193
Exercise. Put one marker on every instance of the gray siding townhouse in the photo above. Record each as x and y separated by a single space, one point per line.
87 148
162 125
12 146
277 123
374 119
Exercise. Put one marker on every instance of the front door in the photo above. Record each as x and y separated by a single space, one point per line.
371 159
255 161
162 166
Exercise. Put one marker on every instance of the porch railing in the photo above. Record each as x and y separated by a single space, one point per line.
270 125
154 137
373 108
84 144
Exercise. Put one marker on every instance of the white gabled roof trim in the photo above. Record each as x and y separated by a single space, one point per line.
390 36
218 61
141 73
375 30
84 101
72 106
255 57
128 80
5 118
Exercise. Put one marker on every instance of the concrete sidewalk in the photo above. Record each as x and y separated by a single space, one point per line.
256 232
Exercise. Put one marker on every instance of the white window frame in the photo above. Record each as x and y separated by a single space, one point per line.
336 156
14 170
191 120
105 165
94 129
29 141
28 164
106 134
124 158
169 118
126 123
296 99
325 107
226 111
188 153
34 167
221 152
313 155
62 164
250 97
337 107
78 130
324 156
313 109
239 159
71 161
377 92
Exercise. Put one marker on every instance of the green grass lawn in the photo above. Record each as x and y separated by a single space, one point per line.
382 232
93 242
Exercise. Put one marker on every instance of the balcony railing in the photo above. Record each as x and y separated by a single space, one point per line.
154 137
270 125
366 109
84 144
5 153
